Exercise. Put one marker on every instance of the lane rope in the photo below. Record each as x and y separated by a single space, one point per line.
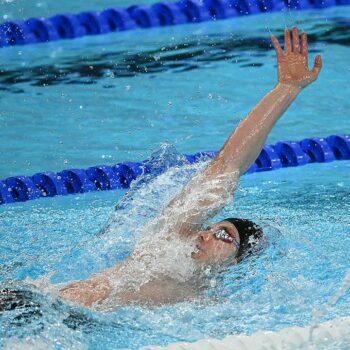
70 26
108 177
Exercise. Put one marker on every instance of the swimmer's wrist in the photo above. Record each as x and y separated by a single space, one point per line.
288 88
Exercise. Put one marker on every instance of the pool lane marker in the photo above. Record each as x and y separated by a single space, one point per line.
283 154
70 26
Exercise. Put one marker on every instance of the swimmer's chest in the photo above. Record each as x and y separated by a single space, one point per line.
160 291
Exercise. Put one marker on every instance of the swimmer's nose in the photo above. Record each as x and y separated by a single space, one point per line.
205 236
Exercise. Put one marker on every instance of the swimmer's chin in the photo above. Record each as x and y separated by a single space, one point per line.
197 254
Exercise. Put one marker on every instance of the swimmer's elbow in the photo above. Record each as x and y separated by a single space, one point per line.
86 293
224 165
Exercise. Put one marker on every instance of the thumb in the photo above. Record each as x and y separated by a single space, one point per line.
317 66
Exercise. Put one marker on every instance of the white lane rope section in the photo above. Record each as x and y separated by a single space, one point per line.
333 334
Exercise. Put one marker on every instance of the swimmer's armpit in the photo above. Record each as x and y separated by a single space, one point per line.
86 293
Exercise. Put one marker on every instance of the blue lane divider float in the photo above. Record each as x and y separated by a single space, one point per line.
69 26
105 177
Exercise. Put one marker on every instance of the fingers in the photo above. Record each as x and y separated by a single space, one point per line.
304 45
296 44
287 41
290 44
317 66
277 46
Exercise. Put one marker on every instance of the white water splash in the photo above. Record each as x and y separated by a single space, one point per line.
161 254
333 299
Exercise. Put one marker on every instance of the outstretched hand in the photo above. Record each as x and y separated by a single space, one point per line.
293 61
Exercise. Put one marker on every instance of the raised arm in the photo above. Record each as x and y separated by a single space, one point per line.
245 143
207 192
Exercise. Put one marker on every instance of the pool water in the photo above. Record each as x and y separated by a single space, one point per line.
101 100
111 98
22 9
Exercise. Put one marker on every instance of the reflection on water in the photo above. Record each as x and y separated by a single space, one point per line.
193 53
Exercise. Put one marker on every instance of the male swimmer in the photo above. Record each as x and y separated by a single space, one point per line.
181 220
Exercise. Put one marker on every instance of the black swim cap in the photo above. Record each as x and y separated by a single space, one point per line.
249 235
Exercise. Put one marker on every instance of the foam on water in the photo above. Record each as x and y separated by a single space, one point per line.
294 279
334 334
159 253
180 79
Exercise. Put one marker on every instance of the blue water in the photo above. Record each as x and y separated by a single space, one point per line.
22 9
188 86
105 99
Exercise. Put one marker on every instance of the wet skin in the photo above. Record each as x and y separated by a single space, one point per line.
211 250
239 151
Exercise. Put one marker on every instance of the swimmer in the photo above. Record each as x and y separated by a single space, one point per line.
225 242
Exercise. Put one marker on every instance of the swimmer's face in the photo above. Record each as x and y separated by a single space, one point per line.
216 244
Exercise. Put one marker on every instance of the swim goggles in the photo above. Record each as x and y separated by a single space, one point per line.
222 235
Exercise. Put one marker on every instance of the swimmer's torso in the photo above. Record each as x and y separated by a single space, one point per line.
156 292
105 292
